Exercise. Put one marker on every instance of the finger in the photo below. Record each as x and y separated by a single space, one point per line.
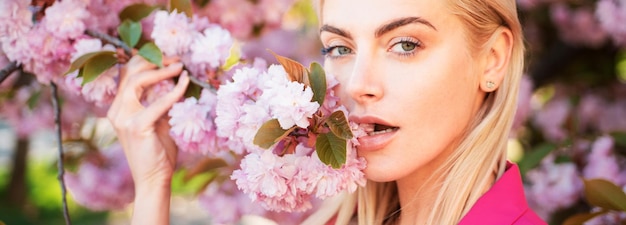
157 109
170 60
162 128
140 81
135 65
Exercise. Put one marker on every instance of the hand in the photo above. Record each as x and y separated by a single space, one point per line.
143 131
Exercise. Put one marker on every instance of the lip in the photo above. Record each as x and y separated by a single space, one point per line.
374 142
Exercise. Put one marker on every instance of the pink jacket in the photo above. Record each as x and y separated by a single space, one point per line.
503 204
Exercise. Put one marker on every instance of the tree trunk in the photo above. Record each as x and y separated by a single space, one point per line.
16 191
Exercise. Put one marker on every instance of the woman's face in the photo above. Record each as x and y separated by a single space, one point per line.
406 75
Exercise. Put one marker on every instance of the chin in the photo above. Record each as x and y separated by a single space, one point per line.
376 174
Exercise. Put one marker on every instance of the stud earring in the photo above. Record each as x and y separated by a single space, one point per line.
490 84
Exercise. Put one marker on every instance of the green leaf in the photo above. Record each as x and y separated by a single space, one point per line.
96 66
270 133
130 32
152 53
195 184
80 62
317 78
533 158
620 139
193 90
181 6
136 12
205 165
233 58
33 100
202 3
331 149
295 70
603 193
581 218
338 124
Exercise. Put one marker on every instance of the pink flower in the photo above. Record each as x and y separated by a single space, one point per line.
590 110
578 26
192 124
173 32
24 119
612 14
289 102
232 99
65 19
102 90
288 183
612 117
44 54
237 16
529 4
212 47
226 204
103 183
552 117
265 176
15 19
88 45
272 11
157 91
554 186
602 163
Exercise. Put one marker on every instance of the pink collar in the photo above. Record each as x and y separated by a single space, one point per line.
503 203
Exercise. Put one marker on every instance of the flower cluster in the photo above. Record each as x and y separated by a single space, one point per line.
202 46
103 181
584 135
285 177
193 128
245 18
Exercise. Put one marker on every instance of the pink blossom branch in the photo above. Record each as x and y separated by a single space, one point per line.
8 70
120 44
114 41
61 168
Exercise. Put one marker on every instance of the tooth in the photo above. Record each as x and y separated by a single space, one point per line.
367 127
380 132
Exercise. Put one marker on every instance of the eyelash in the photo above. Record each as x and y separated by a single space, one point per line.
418 44
327 51
404 40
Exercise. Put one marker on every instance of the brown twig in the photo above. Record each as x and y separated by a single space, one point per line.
114 41
8 70
61 168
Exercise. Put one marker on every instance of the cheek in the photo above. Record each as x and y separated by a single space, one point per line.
341 73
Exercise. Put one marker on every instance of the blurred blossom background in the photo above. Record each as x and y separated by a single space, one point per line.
569 134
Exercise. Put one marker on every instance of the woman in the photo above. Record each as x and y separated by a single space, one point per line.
433 82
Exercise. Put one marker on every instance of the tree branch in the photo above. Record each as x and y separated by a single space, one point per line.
200 83
8 70
57 122
114 41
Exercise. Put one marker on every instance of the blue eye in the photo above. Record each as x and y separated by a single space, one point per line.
336 51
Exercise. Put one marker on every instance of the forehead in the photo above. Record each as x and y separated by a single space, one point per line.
367 14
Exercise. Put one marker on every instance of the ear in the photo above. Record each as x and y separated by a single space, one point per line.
497 59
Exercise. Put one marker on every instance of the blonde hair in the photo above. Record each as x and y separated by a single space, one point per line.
481 153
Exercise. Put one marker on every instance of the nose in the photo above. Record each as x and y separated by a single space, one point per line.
365 84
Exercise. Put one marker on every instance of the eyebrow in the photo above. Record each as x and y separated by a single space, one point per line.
382 29
335 30
402 22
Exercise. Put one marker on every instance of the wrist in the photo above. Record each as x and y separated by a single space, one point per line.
152 186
